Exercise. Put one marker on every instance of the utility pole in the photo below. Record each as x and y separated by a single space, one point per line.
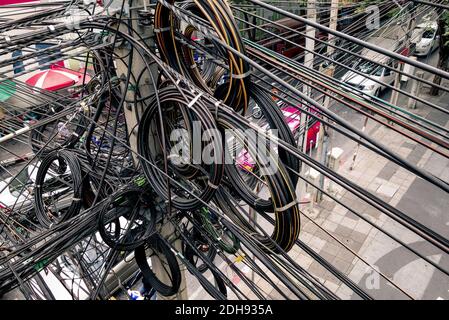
415 83
416 89
323 138
333 22
310 40
443 24
397 81
308 63
140 16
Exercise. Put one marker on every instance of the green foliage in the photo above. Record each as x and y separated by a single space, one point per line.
393 13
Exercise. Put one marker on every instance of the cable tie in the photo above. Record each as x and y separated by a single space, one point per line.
286 207
8 39
193 66
51 28
76 199
241 76
217 104
219 239
162 29
213 186
75 134
173 156
190 105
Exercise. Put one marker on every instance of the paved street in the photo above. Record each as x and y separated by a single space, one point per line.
412 195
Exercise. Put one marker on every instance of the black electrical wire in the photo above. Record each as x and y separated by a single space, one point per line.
169 98
135 205
68 167
156 244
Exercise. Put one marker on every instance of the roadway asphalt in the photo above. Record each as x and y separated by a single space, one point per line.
421 201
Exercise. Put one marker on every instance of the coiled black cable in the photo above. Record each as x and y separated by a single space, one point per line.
218 16
205 177
67 174
244 189
195 239
135 205
279 186
156 244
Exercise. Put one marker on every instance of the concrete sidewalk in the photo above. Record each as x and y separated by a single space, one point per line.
401 189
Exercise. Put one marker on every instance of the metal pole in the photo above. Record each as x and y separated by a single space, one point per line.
397 81
354 157
333 22
416 88
322 139
308 63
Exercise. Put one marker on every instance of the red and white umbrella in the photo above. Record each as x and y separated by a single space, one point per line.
57 78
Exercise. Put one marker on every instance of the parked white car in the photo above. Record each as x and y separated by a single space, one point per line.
425 38
368 86
369 67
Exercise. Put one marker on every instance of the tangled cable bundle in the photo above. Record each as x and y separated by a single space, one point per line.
58 172
181 108
96 176
176 47
178 150
226 240
155 129
127 219
156 244
55 134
